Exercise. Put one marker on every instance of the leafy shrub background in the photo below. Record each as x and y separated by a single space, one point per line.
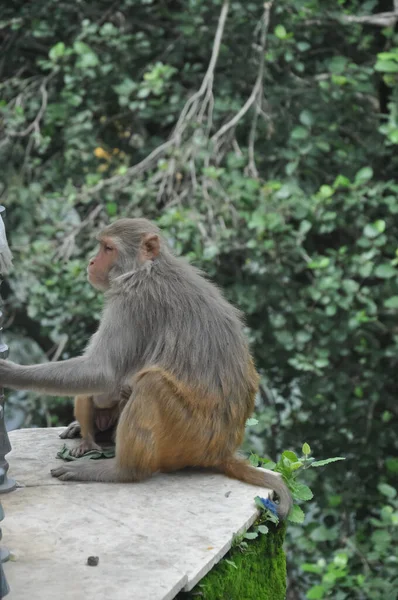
278 179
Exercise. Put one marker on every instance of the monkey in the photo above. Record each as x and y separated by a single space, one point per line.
169 335
94 415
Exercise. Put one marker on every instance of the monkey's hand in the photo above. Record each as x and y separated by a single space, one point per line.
7 370
72 431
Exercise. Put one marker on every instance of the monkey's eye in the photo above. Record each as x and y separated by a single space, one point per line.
108 249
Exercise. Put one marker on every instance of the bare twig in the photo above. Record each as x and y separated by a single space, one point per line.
251 167
35 125
64 252
207 83
60 348
383 19
43 403
257 89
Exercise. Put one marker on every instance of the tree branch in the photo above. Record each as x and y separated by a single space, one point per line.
384 19
257 89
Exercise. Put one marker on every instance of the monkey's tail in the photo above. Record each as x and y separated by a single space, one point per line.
238 468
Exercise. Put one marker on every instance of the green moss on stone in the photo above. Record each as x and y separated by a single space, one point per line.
260 572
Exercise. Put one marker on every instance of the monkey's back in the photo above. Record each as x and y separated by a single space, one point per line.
191 331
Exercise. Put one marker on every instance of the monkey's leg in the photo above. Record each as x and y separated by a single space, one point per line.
163 427
85 415
135 445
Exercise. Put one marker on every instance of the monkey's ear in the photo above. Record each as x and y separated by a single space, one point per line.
150 246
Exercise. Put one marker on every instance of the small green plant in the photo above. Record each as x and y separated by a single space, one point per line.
290 466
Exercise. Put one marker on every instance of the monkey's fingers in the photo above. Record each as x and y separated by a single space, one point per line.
71 432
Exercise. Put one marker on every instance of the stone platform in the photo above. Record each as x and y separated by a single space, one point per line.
153 538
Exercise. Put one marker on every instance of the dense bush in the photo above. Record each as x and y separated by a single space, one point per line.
273 167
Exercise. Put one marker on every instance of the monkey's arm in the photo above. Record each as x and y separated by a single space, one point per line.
82 375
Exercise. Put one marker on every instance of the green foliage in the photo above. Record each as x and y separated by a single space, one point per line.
365 565
292 211
290 466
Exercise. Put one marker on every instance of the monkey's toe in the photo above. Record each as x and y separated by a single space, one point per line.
83 447
64 473
75 471
67 476
57 472
77 452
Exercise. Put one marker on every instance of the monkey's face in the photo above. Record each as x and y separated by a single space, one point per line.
100 265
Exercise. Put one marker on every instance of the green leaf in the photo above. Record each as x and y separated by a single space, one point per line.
111 208
57 51
386 66
341 181
230 562
392 465
304 228
87 57
341 559
254 459
306 118
267 463
372 230
317 592
391 302
296 515
338 64
310 568
296 465
263 529
251 535
81 48
88 60
299 133
388 55
327 461
303 46
280 32
364 175
302 492
393 136
385 271
252 421
290 455
387 490
323 534
325 191
306 450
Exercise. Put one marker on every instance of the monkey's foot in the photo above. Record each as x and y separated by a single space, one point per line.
72 431
90 470
68 472
83 447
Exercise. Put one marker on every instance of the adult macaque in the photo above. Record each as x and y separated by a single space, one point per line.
170 335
